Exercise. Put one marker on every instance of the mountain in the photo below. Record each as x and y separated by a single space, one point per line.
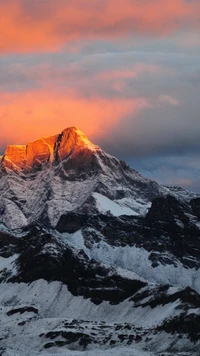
94 258
63 173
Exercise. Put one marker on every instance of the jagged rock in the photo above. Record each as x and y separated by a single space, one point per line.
195 204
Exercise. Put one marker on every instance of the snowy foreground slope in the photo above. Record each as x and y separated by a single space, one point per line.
54 298
94 258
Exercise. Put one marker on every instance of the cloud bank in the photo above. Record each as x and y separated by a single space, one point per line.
126 75
28 26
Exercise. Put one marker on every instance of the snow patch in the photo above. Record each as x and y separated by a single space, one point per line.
105 205
132 259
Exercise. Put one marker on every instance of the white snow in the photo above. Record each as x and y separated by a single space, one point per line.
136 260
56 305
87 142
13 215
3 228
129 274
7 265
105 205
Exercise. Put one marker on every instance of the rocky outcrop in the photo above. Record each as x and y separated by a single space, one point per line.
33 156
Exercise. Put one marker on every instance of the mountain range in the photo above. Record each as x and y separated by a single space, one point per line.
95 259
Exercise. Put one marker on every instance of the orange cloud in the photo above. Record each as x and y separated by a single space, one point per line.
25 117
167 100
119 77
48 25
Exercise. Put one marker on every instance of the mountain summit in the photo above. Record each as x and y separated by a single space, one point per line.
42 151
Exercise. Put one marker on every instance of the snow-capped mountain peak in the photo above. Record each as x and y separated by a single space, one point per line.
52 176
45 150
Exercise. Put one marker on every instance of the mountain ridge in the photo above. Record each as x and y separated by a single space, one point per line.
45 150
39 184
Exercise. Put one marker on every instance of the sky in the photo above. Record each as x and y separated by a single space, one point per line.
125 72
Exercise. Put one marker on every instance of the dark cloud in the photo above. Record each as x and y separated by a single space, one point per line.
179 170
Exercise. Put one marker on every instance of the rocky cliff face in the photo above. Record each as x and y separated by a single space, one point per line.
94 257
44 151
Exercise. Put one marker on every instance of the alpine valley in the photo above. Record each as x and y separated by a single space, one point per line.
94 258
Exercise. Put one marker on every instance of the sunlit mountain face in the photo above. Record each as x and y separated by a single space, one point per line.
126 75
45 150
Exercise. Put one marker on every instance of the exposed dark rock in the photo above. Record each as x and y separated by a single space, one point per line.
43 256
71 222
187 325
22 310
166 209
167 232
159 296
8 244
195 205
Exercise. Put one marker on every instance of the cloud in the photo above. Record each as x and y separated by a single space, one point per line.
41 113
28 26
167 100
107 79
177 169
134 71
